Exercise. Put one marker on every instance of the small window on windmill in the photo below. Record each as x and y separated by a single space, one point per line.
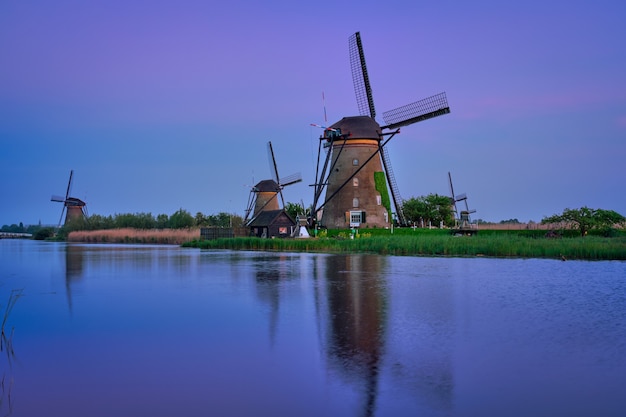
355 162
379 200
355 182
355 202
356 218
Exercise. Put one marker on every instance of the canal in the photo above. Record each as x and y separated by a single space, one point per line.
127 330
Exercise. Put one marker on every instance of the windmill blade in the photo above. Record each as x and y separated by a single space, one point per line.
450 183
360 79
467 207
290 179
418 111
57 198
61 218
69 185
250 206
274 169
452 197
272 162
460 197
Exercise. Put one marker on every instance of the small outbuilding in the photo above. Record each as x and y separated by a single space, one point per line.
272 223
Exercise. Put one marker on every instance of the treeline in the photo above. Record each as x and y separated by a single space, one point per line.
20 228
179 220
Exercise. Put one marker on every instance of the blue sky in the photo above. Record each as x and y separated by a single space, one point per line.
161 105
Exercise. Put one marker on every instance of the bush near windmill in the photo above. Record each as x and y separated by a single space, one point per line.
585 219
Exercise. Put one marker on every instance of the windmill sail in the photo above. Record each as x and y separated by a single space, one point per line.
361 80
418 111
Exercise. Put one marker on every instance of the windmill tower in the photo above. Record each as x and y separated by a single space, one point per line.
264 195
75 207
356 173
461 218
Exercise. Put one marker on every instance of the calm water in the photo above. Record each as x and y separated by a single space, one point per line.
111 330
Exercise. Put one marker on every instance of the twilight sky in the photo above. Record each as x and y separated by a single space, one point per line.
161 105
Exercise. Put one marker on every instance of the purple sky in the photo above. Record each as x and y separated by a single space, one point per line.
161 105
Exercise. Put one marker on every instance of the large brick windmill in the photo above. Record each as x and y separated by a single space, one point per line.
356 170
75 207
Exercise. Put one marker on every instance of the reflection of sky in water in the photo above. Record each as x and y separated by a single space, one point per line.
160 330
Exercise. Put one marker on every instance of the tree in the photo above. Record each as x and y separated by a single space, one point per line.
433 209
162 220
201 219
181 219
294 210
586 219
43 233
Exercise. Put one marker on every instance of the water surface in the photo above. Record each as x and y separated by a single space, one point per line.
124 330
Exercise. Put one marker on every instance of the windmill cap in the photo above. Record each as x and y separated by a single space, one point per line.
359 127
267 186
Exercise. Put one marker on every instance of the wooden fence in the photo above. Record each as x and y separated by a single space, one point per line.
209 233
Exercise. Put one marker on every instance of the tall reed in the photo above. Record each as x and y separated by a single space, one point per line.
130 235
496 245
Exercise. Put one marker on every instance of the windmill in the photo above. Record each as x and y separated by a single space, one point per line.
264 195
461 218
76 208
352 172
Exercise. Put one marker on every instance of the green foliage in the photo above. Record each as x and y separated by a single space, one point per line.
433 209
223 219
14 228
181 219
162 221
294 210
380 183
43 233
586 219
98 222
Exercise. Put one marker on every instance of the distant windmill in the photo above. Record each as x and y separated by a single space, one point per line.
264 195
461 218
76 208
352 173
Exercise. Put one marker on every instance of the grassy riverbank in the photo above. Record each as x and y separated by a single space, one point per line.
439 243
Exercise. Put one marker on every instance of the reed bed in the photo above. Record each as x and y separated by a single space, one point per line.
130 235
494 245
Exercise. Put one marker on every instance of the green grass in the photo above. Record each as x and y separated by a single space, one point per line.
407 242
